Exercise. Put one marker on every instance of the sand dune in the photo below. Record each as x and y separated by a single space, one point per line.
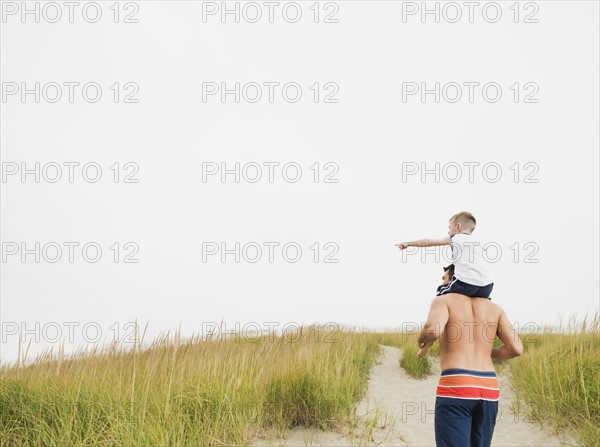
405 416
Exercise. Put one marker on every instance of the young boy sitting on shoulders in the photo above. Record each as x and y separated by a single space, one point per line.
471 276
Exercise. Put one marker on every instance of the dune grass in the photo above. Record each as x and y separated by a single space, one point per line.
215 392
186 392
558 378
414 365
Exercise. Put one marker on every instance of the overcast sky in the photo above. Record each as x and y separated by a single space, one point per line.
339 102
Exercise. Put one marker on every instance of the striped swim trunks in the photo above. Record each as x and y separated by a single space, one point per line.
468 384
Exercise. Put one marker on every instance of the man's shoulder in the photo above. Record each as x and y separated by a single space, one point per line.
451 299
440 301
445 299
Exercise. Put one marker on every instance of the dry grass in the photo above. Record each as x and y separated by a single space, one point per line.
186 392
211 392
558 378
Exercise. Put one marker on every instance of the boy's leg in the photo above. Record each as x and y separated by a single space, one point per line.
457 286
439 289
484 421
485 291
452 421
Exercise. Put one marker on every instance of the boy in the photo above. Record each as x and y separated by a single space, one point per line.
471 276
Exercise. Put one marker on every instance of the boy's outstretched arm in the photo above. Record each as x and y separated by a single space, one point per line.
424 243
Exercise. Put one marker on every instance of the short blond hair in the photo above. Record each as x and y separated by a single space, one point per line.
466 219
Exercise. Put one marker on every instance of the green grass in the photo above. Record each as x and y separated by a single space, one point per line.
186 392
558 378
414 365
216 393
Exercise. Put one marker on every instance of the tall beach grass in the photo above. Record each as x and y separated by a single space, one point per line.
216 392
558 378
186 392
413 365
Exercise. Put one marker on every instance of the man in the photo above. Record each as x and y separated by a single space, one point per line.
467 395
446 277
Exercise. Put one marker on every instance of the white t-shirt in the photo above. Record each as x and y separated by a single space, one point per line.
469 264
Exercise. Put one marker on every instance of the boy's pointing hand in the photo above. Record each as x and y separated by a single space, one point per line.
401 245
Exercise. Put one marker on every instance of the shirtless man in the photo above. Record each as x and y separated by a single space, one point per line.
467 395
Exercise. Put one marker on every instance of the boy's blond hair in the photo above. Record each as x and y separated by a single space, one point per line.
466 219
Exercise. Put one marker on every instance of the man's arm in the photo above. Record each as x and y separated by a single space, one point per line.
424 243
436 322
512 346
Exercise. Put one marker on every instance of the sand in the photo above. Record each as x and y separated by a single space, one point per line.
405 416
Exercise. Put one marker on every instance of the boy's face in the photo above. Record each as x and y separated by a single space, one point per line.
446 277
453 228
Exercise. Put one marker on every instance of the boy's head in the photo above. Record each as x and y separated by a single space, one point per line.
463 222
448 274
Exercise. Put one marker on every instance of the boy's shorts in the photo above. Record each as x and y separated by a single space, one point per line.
457 286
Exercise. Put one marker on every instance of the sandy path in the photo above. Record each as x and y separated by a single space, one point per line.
405 415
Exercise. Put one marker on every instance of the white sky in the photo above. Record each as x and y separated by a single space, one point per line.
368 135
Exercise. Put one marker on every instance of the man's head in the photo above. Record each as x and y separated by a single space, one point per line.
463 222
448 274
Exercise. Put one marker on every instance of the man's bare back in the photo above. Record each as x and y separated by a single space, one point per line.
469 335
467 328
